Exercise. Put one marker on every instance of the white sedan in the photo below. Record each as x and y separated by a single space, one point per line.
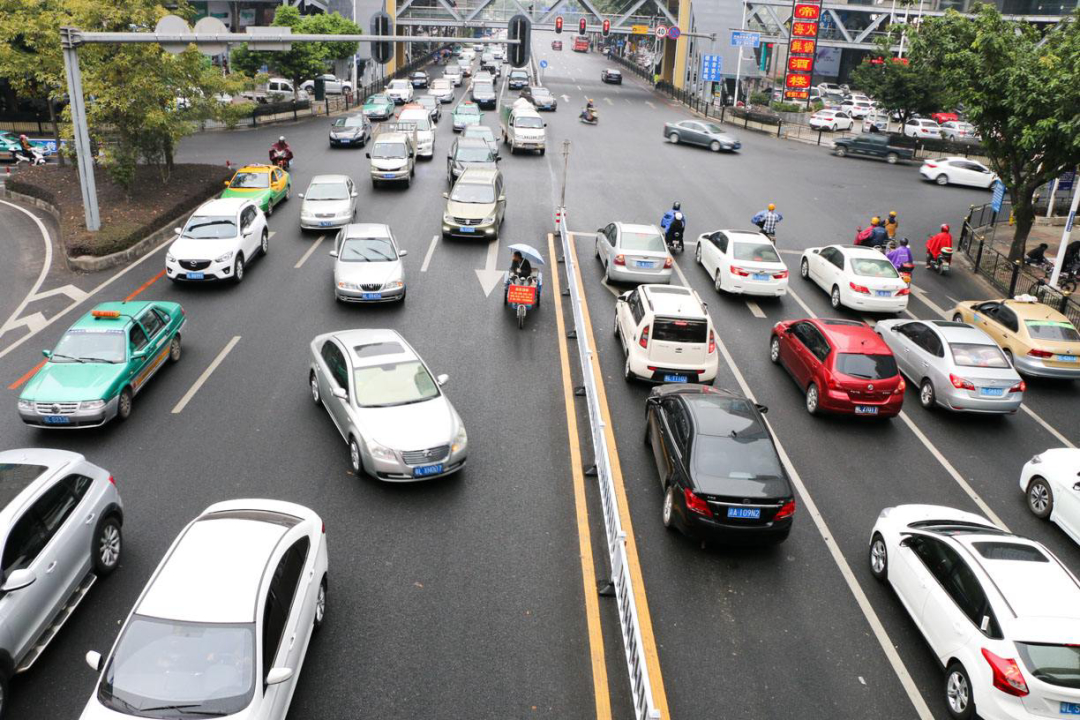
957 171
400 91
922 128
958 130
442 90
831 120
859 278
742 261
1051 482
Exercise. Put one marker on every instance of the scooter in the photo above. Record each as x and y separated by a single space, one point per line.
281 160
36 157
942 262
674 240
595 118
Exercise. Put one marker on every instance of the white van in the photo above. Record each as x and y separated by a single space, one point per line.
522 127
667 335
393 156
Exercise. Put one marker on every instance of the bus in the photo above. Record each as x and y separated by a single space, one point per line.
581 44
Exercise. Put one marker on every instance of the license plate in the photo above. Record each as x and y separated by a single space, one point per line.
195 276
56 420
745 513
675 378
427 470
371 296
325 223
467 229
759 276
1065 358
642 264
883 293
992 392
1068 708
865 410
388 176
344 142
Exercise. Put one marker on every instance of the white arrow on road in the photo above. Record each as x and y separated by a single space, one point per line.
33 322
650 104
608 101
489 277
71 291
565 98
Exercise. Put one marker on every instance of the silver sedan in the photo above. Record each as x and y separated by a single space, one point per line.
633 253
330 201
367 264
954 365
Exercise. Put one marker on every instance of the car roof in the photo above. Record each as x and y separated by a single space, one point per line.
960 332
850 336
674 301
474 175
126 309
637 228
22 484
746 235
391 137
255 167
367 230
221 206
1029 310
859 251
471 142
213 572
329 179
478 130
375 346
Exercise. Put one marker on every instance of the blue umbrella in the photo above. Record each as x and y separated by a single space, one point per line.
528 252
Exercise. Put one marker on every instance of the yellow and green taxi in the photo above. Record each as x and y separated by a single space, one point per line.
1038 340
101 363
264 185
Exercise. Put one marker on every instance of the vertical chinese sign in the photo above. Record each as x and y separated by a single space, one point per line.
802 45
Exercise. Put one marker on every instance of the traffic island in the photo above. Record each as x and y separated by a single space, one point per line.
132 222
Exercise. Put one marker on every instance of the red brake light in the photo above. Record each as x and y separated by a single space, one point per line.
859 288
324 527
712 342
961 383
644 340
903 291
620 259
900 388
696 504
785 512
1018 387
112 480
780 275
736 270
1040 353
667 263
1007 676
932 165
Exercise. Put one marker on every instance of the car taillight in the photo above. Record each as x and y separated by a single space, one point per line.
1040 353
780 275
1018 387
712 342
859 288
833 383
668 262
785 512
1007 676
644 341
620 259
696 504
112 480
903 291
931 165
961 383
900 387
735 270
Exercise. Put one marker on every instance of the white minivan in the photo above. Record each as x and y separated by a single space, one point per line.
667 335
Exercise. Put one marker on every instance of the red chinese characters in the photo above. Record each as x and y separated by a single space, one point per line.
805 15
797 81
804 29
803 47
800 64
807 12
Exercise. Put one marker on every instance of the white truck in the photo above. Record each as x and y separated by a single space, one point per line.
393 154
522 127
275 90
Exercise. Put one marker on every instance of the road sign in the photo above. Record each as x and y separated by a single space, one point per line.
639 29
712 68
741 38
543 64
1065 182
999 195
674 33
661 31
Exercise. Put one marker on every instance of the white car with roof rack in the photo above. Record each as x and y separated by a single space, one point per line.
857 277
743 262
666 334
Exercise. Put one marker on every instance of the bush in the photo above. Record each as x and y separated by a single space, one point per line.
760 98
232 113
788 107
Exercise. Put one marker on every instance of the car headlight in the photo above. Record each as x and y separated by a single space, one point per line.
460 440
91 404
448 219
379 452
394 285
169 257
489 220
223 258
26 405
1034 461
348 285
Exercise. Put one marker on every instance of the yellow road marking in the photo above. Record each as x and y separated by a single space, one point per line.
588 570
652 659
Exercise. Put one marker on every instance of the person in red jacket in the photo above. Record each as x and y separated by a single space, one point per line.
942 240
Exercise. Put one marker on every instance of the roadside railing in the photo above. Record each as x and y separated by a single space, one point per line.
621 582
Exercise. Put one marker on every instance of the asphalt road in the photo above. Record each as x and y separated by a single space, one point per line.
464 597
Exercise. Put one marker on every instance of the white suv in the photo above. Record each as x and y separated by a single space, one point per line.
400 91
667 335
218 241
1001 613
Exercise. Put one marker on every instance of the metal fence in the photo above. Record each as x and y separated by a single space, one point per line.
640 686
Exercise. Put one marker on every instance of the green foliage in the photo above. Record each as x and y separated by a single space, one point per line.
760 98
788 107
1020 88
906 86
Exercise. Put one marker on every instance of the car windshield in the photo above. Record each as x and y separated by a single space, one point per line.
167 668
377 100
468 110
868 367
376 249
250 180
873 267
474 154
641 241
327 191
1052 330
1054 664
90 345
519 75
473 193
349 122
440 85
388 151
978 355
528 121
394 384
210 227
398 85
756 252
483 87
543 93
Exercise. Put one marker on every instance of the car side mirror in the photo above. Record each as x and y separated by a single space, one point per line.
300 195
906 542
652 400
226 183
402 253
498 159
446 195
177 230
278 675
352 194
341 393
761 408
333 253
93 659
502 198
19 579
368 155
442 379
789 330
47 353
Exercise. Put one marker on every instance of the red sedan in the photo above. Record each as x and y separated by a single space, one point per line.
944 117
842 365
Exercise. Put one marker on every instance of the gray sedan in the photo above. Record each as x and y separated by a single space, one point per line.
367 264
701 132
954 365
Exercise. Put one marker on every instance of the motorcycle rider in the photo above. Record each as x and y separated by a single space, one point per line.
589 113
675 230
878 234
933 246
1037 255
281 148
901 256
891 224
767 220
676 207
24 148
520 267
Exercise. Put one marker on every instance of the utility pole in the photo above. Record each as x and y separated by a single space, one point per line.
84 159
1060 259
566 163
738 65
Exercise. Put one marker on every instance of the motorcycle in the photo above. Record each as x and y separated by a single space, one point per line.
520 293
281 160
584 117
674 240
942 262
36 157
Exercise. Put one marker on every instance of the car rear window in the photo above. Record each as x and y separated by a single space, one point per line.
685 331
1052 330
1054 664
756 252
977 355
642 241
872 267
868 367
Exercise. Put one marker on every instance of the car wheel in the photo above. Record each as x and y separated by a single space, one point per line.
668 512
715 146
804 269
841 151
628 374
879 558
264 246
958 700
355 461
673 138
835 298
812 399
597 246
1040 498
3 692
174 349
313 381
832 129
697 254
718 283
942 179
774 349
123 405
927 396
269 209
892 158
616 323
238 270
108 542
957 317
320 606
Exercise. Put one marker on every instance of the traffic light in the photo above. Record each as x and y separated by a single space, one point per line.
581 27
381 52
519 28
558 25
606 28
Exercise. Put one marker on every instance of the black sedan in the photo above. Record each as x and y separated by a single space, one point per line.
540 97
719 469
419 79
611 76
351 131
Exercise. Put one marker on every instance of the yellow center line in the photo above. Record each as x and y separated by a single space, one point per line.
588 571
652 659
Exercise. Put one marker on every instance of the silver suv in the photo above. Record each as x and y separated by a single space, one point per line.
60 519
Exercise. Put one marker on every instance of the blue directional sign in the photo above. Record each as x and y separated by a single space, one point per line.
741 38
999 195
712 68
543 64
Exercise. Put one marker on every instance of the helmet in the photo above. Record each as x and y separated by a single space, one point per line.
892 213
771 207
875 220
677 205
678 216
281 139
945 227
903 242
22 137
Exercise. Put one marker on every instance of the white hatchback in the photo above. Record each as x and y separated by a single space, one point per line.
1051 482
667 335
218 241
957 171
856 277
442 90
224 624
1000 613
742 261
400 91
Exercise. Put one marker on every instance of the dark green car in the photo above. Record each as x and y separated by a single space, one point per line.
101 363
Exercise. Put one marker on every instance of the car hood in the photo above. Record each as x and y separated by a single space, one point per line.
368 272
335 207
69 382
466 119
252 194
411 427
470 210
346 130
388 164
191 249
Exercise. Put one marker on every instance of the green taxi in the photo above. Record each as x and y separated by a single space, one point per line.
101 363
264 185
466 114
378 107
9 141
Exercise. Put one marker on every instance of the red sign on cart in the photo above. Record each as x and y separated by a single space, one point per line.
521 294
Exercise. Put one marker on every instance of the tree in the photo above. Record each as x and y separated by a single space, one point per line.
1020 88
900 85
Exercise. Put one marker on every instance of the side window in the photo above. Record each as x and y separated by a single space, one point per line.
78 486
162 315
721 241
24 542
279 599
610 233
913 332
53 508
247 217
1008 318
635 307
802 332
818 345
335 360
937 557
138 337
837 258
933 343
151 323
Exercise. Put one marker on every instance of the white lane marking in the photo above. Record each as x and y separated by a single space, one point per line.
755 309
608 101
205 375
33 322
578 87
852 582
1049 428
41 275
925 299
71 291
628 101
649 103
314 246
565 98
490 276
430 252
795 296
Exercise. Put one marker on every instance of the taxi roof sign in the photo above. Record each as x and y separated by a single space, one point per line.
105 313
